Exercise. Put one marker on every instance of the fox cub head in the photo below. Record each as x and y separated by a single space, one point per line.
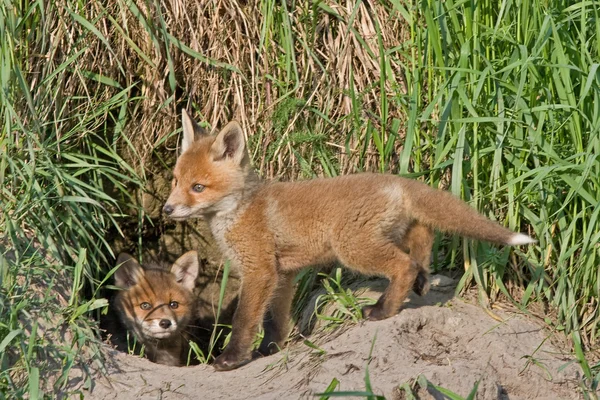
211 172
155 304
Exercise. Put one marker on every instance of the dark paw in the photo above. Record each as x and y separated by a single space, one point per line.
228 361
421 285
267 349
374 313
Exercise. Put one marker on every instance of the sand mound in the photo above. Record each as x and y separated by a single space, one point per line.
451 343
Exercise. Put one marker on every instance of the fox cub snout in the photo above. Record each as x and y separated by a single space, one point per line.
157 305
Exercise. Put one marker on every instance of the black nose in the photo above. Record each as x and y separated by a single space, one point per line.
164 323
168 209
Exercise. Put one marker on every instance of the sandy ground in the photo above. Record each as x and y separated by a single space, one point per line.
452 343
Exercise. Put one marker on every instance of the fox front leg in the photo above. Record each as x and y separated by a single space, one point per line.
277 320
257 288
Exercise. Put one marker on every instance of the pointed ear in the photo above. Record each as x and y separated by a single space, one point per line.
129 273
230 144
191 131
186 269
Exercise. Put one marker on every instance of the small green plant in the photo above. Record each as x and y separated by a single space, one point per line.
216 332
426 385
532 360
133 347
367 393
319 351
407 390
347 307
281 362
196 352
591 375
330 389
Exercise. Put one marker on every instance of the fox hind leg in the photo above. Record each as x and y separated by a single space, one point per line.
401 279
391 261
419 241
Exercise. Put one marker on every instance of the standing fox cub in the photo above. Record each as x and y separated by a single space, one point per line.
374 224
157 305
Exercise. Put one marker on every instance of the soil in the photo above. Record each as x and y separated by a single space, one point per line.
450 342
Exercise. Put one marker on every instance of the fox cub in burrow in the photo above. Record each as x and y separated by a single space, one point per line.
157 305
373 223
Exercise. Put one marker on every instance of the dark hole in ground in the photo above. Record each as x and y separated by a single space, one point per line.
200 331
163 243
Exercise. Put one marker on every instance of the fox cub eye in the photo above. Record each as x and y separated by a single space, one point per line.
145 306
198 188
173 304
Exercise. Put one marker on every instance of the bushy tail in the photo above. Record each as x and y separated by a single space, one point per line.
443 211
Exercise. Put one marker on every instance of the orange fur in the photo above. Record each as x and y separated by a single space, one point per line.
157 305
374 224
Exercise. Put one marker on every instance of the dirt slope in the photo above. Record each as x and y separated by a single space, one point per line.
452 345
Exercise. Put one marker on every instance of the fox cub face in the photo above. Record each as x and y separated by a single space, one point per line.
209 172
156 304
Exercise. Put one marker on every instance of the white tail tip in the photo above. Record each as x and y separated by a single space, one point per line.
519 239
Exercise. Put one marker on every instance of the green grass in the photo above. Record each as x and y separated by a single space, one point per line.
515 93
63 188
347 307
368 393
495 101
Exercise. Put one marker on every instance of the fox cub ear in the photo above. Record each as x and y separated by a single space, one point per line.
186 269
230 144
129 273
191 131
